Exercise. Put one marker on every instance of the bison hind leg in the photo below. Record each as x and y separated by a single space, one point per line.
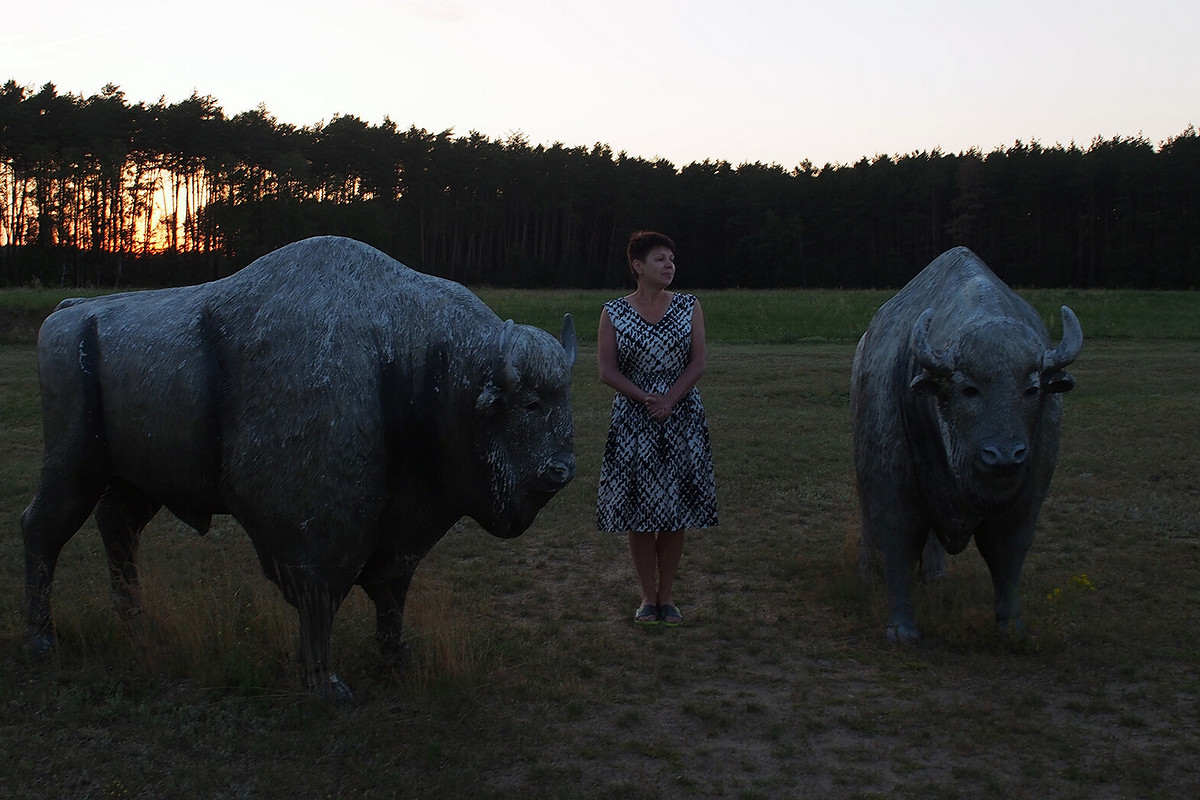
868 557
57 512
899 632
121 516
933 560
389 619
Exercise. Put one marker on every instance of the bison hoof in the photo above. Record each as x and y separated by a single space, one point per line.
394 651
41 644
932 574
329 686
128 609
902 634
339 692
1012 628
398 658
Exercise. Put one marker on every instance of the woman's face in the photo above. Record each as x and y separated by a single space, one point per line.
658 269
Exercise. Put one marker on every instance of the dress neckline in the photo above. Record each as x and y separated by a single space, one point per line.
638 314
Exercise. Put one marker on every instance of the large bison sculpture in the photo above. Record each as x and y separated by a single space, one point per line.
345 409
956 408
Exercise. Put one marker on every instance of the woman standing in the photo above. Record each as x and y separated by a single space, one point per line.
656 479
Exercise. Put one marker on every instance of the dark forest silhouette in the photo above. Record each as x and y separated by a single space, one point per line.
102 191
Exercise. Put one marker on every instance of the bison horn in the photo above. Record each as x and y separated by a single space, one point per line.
935 363
568 338
1069 348
506 371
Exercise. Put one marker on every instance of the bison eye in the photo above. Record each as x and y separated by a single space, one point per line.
970 391
1032 391
533 405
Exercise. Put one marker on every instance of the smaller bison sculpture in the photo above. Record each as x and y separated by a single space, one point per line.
345 409
956 408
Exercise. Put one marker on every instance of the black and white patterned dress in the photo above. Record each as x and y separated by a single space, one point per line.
656 475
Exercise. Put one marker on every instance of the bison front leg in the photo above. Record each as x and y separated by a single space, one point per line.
1004 552
316 634
121 516
316 604
900 555
386 579
898 537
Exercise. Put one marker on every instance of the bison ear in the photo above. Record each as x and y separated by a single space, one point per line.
490 400
1059 382
925 382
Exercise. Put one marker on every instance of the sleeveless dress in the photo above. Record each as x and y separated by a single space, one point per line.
656 475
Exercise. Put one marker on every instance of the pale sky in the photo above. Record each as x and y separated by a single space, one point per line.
772 81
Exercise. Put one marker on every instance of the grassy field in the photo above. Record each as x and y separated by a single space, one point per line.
530 680
736 316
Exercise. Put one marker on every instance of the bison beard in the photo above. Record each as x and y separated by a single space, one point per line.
345 409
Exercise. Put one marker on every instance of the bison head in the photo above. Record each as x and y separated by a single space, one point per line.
523 425
992 383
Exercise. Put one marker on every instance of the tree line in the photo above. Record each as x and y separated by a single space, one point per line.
103 191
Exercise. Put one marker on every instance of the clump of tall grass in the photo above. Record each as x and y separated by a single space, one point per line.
210 617
236 636
222 633
446 639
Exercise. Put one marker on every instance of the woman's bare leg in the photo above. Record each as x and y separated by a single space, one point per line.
670 552
643 549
